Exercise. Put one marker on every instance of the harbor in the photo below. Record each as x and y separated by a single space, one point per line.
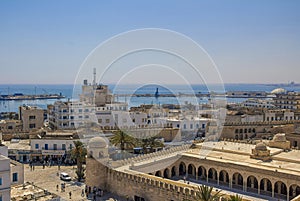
20 96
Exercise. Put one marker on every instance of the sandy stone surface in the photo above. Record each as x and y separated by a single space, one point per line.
47 178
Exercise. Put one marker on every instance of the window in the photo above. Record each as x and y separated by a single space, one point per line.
15 177
0 181
31 117
46 146
31 125
71 117
63 146
80 110
86 116
191 126
36 146
0 197
203 125
71 146
107 121
100 121
55 146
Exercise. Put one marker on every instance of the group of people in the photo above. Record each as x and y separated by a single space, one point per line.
31 165
95 192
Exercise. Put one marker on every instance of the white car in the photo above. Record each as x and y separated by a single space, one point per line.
65 177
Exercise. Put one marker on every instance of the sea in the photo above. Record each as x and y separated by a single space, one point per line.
72 92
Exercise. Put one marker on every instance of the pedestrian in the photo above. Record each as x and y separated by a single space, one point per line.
33 167
57 187
82 193
70 194
94 197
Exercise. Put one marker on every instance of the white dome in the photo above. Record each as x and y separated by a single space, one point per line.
278 91
97 143
280 137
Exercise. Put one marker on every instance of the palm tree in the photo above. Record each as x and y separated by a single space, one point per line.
122 139
78 153
204 193
151 142
235 197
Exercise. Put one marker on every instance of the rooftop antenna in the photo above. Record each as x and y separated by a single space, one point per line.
94 79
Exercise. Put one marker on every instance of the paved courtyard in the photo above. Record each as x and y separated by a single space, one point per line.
48 179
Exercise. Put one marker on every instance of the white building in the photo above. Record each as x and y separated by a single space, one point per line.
52 145
188 124
258 103
70 114
11 173
5 182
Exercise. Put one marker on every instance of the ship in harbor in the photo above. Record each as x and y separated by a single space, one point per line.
21 96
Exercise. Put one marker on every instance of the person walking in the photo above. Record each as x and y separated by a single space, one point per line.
70 194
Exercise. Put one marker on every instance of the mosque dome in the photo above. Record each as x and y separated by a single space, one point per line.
278 91
97 143
280 137
261 147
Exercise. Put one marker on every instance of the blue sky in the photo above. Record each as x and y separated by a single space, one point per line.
250 41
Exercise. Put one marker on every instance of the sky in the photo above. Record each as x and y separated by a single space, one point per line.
250 41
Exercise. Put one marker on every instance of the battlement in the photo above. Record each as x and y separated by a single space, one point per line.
261 123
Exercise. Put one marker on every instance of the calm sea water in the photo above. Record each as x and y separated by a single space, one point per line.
67 91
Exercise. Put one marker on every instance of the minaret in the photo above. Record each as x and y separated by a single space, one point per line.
94 79
156 93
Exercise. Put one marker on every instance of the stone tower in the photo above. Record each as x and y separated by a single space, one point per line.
96 163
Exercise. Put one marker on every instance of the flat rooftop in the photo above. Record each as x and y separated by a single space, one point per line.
239 154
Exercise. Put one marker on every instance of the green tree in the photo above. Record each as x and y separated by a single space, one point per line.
122 139
152 143
235 197
79 153
204 193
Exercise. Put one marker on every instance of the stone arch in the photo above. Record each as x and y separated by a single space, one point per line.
191 171
182 169
212 175
158 173
265 187
252 184
280 190
224 178
237 180
166 173
173 171
294 191
202 173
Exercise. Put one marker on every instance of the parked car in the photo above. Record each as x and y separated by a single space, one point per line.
65 177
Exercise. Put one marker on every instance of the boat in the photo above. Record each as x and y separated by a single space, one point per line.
20 96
